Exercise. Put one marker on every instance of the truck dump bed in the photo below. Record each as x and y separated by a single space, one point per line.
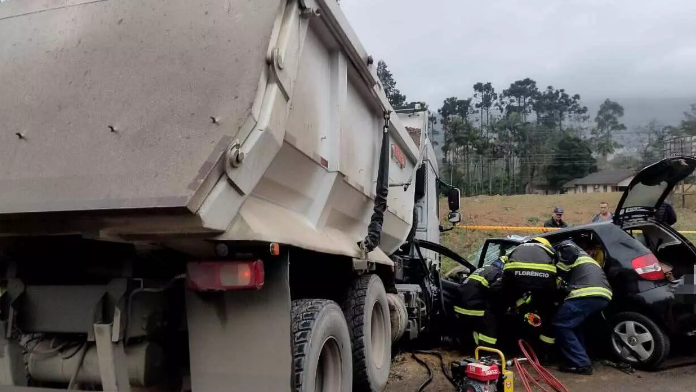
155 72
237 119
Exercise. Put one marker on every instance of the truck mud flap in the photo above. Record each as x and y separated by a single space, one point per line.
241 340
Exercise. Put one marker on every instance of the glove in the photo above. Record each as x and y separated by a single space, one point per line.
562 286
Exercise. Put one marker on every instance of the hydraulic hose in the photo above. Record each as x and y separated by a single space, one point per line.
543 375
442 366
374 229
430 373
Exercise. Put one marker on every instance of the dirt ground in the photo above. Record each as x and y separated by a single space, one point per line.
407 375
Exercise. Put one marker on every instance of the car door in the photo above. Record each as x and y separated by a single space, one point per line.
449 289
442 251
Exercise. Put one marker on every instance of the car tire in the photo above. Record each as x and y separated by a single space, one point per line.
643 335
367 312
322 358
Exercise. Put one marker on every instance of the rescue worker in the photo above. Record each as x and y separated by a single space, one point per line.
530 274
473 305
587 292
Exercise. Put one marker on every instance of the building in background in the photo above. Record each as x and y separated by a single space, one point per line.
601 182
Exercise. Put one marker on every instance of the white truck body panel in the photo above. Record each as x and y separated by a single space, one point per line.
427 208
140 107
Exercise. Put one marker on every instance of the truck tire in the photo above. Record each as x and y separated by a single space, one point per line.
398 316
321 347
645 337
367 312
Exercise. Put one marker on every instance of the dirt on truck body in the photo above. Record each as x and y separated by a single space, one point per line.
196 196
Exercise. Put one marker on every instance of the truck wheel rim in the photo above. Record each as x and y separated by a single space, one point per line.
329 376
378 335
636 336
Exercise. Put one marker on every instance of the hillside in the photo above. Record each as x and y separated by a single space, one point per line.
531 210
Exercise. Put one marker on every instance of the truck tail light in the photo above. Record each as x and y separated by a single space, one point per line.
226 275
648 267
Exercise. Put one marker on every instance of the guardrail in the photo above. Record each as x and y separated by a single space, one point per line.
528 228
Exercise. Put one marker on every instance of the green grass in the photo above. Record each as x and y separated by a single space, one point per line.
531 211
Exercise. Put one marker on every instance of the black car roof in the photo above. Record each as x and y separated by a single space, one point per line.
598 226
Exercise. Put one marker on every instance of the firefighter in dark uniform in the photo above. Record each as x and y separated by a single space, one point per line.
473 305
530 274
587 291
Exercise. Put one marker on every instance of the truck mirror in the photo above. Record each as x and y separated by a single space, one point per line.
453 196
454 217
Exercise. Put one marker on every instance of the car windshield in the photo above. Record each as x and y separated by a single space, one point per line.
494 251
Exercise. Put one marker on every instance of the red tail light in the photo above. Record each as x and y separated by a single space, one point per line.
648 267
222 276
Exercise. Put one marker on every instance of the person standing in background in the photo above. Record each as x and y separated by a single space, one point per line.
604 214
557 219
665 214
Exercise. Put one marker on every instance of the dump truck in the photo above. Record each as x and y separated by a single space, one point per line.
203 195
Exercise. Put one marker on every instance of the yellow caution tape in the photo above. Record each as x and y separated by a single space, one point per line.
508 228
530 228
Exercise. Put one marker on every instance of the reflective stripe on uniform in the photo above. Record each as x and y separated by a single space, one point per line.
585 260
580 261
476 338
590 292
479 279
542 246
546 339
469 312
523 301
486 339
530 266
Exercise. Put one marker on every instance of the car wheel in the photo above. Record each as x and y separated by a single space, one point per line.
649 344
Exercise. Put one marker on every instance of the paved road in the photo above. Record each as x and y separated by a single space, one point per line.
407 375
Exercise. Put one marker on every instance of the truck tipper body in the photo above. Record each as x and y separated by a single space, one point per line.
200 195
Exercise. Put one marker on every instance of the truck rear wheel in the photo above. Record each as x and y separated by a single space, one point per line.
321 347
367 313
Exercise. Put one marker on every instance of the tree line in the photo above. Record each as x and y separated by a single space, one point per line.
523 137
653 137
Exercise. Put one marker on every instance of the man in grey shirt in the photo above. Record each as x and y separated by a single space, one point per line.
604 214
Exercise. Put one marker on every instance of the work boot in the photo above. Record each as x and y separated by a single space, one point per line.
585 370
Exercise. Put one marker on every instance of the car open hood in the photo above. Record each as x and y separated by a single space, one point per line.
650 187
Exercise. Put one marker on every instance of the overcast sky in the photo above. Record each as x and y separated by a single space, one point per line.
618 49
